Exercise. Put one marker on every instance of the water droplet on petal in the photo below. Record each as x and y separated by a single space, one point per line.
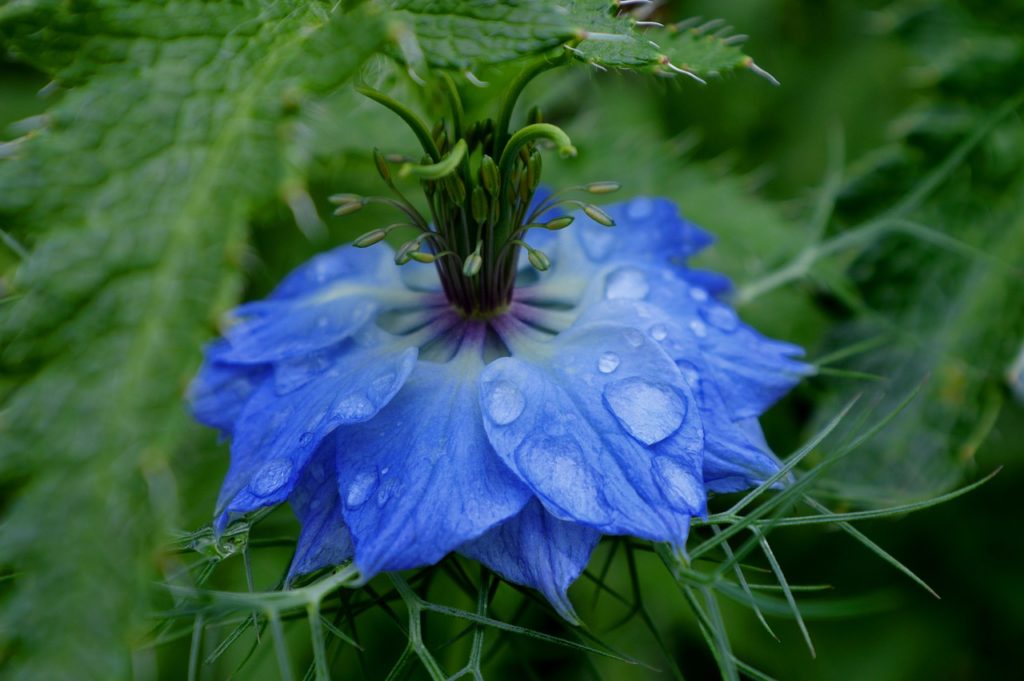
681 488
557 469
720 317
698 294
352 408
597 244
383 385
634 337
650 412
659 332
361 489
388 489
626 283
608 362
638 209
689 372
504 402
271 477
699 329
306 439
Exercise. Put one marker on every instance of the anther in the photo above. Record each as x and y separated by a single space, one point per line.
602 187
471 267
370 238
559 223
538 259
349 208
598 215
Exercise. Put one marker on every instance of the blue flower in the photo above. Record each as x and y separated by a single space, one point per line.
608 396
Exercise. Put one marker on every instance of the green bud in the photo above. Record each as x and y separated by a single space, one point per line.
533 169
422 257
495 211
489 176
598 215
440 135
382 166
456 189
538 259
344 198
525 187
472 266
602 187
478 205
370 238
559 223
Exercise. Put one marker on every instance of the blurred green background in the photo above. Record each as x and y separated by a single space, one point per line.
874 98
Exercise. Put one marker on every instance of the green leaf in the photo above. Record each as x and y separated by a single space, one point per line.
619 41
458 34
176 125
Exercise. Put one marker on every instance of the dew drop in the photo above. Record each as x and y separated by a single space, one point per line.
689 372
361 489
597 243
659 332
626 283
608 362
699 329
638 209
271 477
698 294
388 490
504 402
352 408
720 317
383 385
556 468
678 485
648 411
306 439
634 338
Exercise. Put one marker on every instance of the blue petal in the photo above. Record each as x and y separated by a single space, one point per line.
536 549
752 372
220 390
324 540
345 263
279 429
735 455
714 283
601 426
420 480
318 305
645 228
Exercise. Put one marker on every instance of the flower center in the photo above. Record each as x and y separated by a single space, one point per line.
481 184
